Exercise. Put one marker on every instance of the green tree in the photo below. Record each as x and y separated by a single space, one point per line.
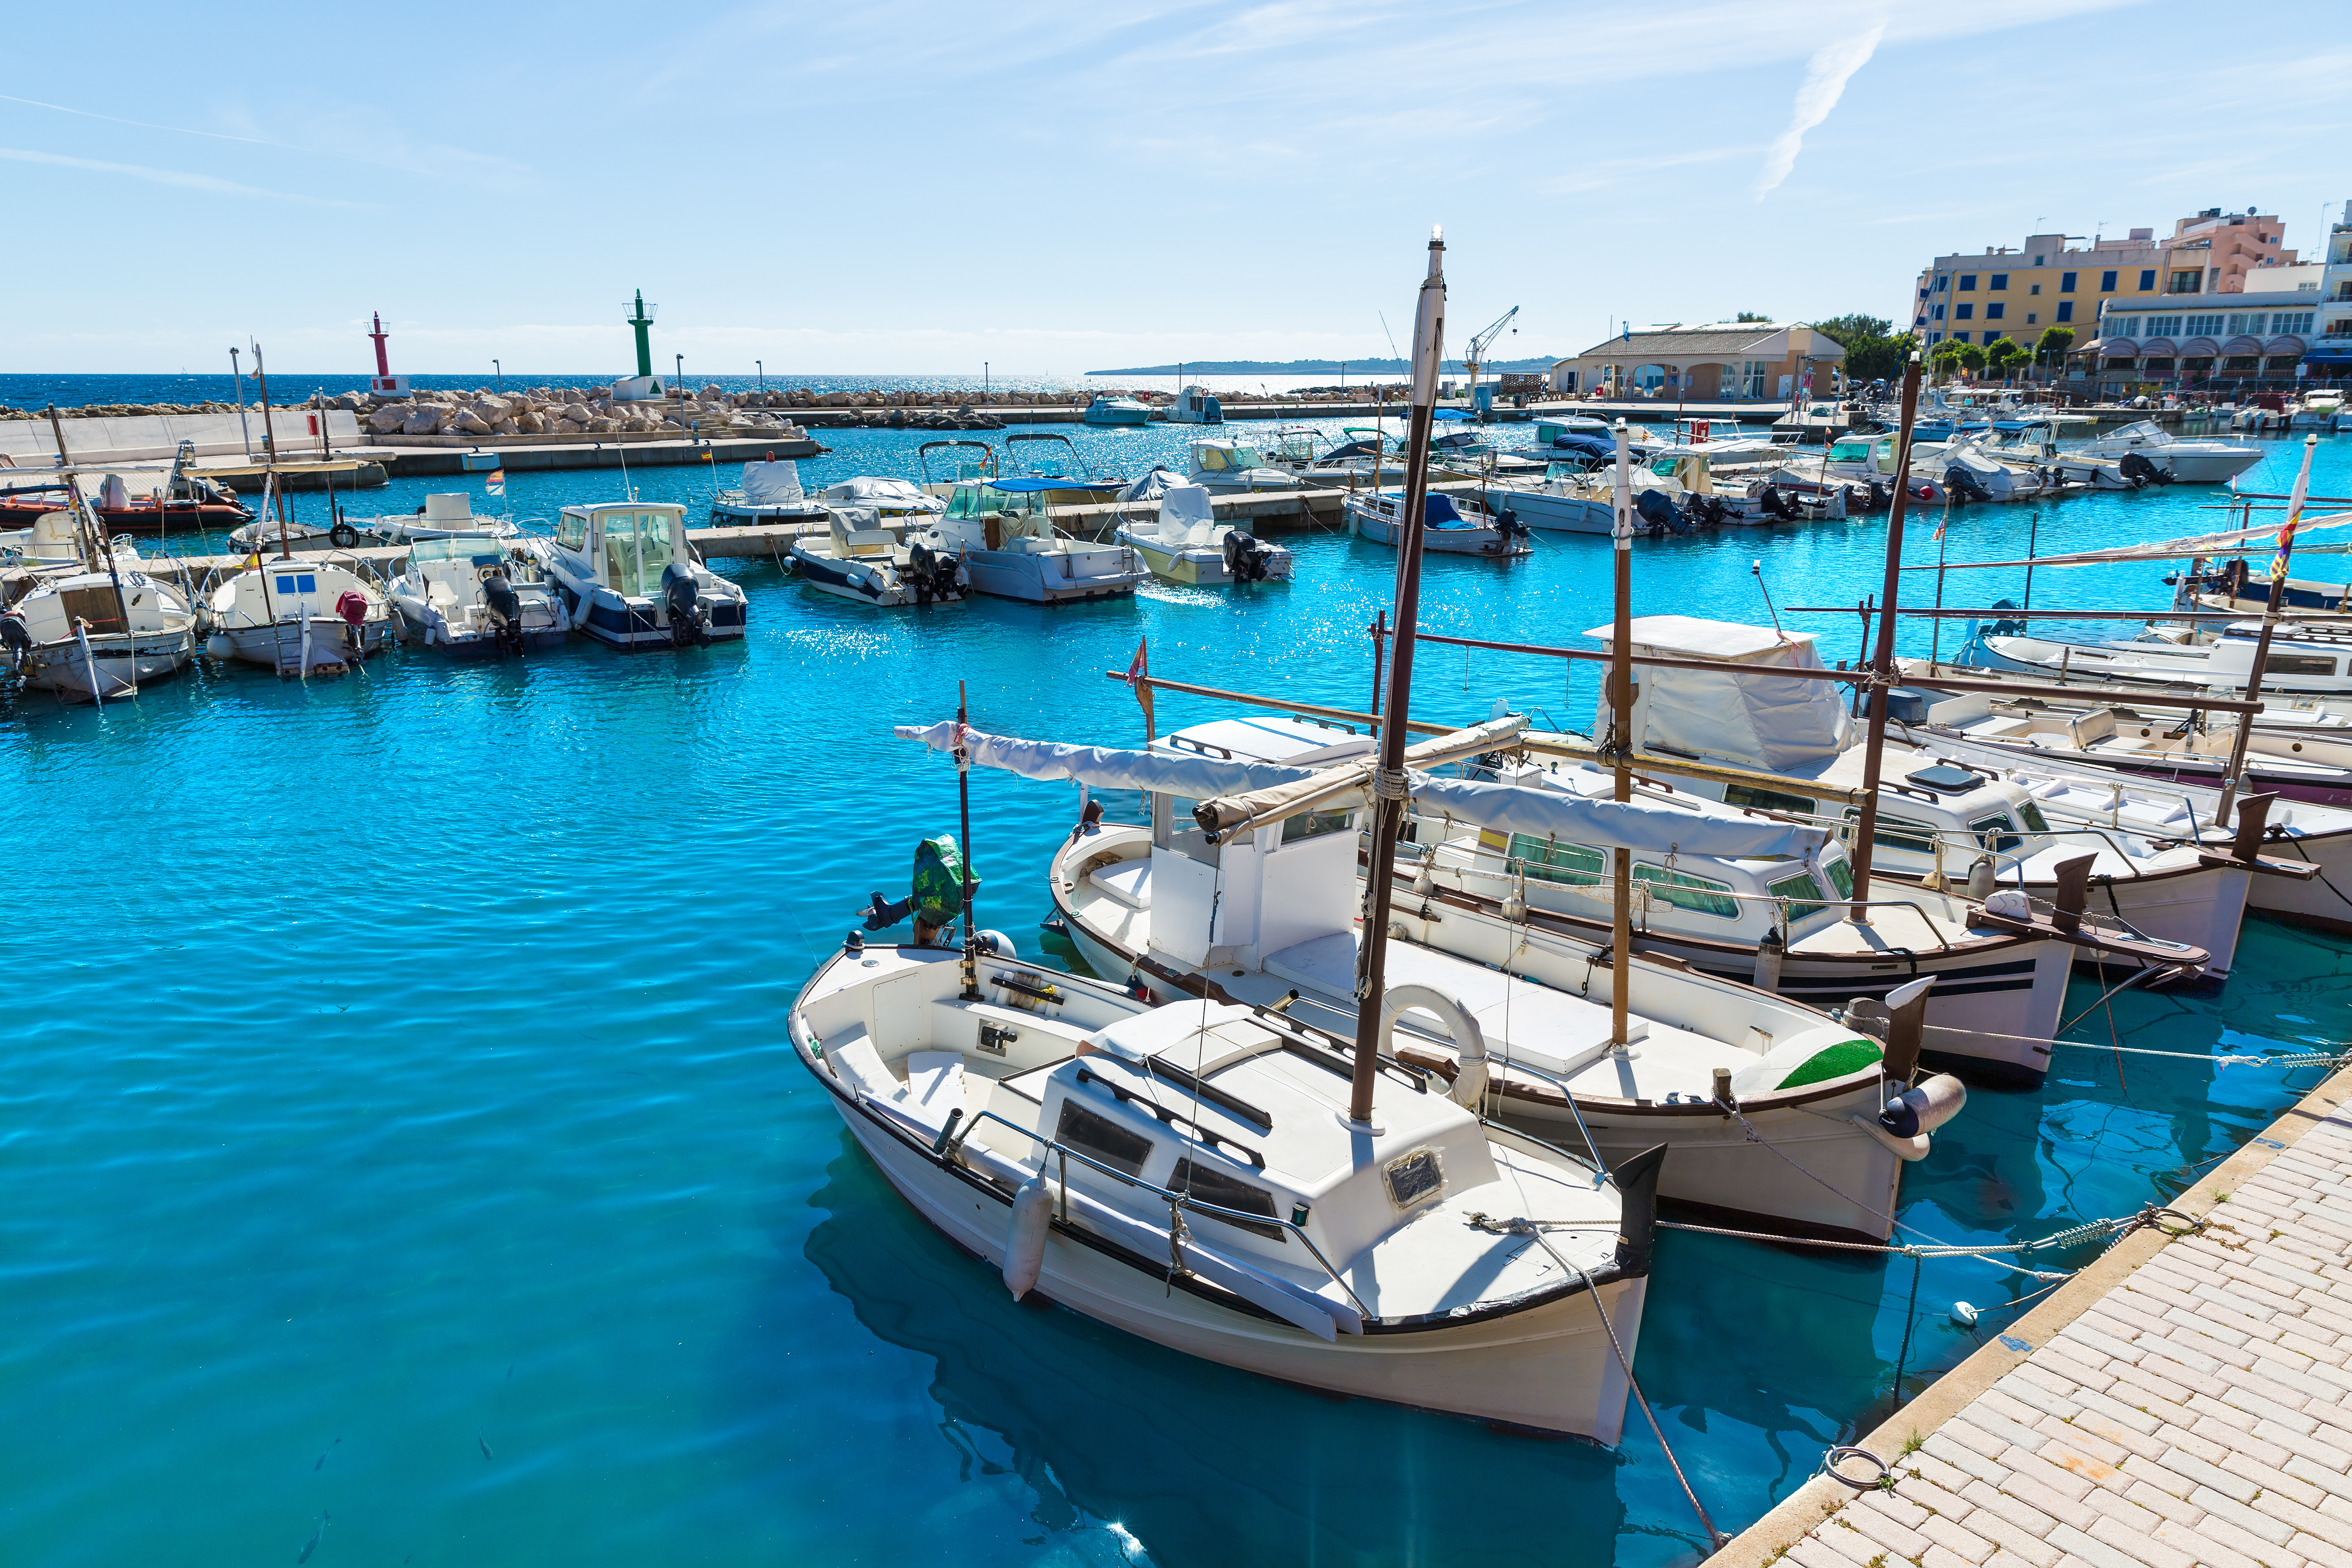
1845 331
2004 353
1751 315
1952 355
2054 344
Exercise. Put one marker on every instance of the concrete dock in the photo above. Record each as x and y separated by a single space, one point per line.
2185 1400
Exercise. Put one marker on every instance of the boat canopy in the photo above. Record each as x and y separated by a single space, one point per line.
1742 714
1636 825
1155 483
1187 517
771 483
866 489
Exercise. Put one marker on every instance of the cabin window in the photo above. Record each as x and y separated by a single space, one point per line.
2299 664
1553 861
1313 825
1841 876
1996 833
1803 893
636 548
1211 1185
1415 1176
1684 892
1101 1138
306 582
2030 814
571 531
1899 833
1766 799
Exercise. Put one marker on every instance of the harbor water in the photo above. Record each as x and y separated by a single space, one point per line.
405 1163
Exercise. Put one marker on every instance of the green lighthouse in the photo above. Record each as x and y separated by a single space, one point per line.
641 319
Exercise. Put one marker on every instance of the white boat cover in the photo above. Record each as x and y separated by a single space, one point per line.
1152 484
1741 715
1510 808
1186 517
771 484
866 490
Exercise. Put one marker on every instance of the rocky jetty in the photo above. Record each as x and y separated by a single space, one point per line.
123 410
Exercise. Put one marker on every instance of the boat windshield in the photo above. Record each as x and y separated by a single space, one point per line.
1849 451
637 545
476 549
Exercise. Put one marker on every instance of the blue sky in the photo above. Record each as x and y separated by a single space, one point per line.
901 189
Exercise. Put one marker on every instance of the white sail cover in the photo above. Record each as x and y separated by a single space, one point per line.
1508 808
1742 715
771 484
1194 778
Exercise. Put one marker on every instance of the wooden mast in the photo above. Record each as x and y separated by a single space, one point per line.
2233 777
1882 664
1389 778
1618 744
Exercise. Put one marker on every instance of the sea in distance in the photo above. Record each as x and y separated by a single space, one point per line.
406 1164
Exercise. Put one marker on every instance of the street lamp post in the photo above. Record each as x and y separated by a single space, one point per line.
677 384
498 376
244 427
762 369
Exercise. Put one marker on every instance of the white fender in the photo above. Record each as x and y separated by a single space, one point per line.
1905 1149
1469 1042
1024 1237
1930 1105
997 943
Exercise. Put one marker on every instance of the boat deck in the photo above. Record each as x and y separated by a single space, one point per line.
2183 1400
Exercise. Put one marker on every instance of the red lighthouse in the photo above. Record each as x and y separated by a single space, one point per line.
383 380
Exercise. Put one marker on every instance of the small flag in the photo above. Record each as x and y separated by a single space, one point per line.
494 482
2293 511
1138 680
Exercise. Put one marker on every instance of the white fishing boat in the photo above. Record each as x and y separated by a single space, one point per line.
1230 466
859 559
2306 660
1568 499
297 617
2189 461
478 596
1184 543
95 636
629 579
1457 525
1002 533
446 516
768 492
2177 910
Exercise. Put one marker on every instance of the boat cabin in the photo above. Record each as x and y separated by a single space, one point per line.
626 544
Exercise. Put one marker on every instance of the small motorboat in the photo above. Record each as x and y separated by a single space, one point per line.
449 516
1225 467
1186 543
299 617
186 502
1196 405
894 503
1452 525
90 636
771 492
1002 533
475 595
628 577
858 559
1115 409
2195 461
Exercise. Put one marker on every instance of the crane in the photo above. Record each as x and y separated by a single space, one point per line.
1476 351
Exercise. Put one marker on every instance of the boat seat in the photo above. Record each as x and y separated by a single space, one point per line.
1128 882
935 1084
856 1062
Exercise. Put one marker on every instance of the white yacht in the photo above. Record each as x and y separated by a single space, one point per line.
1002 533
768 492
1228 466
1196 405
477 595
299 617
859 559
1184 543
447 516
2192 462
628 577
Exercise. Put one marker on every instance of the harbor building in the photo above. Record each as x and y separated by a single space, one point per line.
2059 281
2242 340
2330 355
1715 361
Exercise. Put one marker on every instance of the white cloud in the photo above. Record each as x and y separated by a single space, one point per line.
1825 84
164 177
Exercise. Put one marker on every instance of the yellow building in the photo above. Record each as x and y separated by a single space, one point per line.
2061 280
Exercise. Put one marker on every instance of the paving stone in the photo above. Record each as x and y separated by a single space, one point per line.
2117 1435
2107 1345
1958 1539
2077 1364
2315 1383
2260 1548
1812 1554
1966 1433
2223 1506
2322 1550
1892 1533
2124 1413
1943 1557
2274 1481
2207 1473
2180 1509
2270 1409
2054 1491
2005 1558
2317 1474
2312 1449
2070 1458
2031 1396
2081 1440
2022 1513
2238 1444
2173 1533
2099 1553
2116 1506
2012 1539
1840 1536
1943 1446
2002 1427
1936 1471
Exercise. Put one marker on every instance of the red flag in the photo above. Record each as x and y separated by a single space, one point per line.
1138 680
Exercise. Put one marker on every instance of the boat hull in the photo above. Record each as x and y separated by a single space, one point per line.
1564 514
120 666
1548 1367
279 646
615 623
1030 578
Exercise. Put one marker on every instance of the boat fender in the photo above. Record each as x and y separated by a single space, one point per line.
218 645
1907 1149
1922 1110
1469 1041
1981 877
1025 1234
2009 903
1769 954
997 943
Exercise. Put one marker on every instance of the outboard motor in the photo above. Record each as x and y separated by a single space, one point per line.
352 607
2136 468
1245 558
689 618
1656 509
506 610
1777 505
1964 484
16 639
918 570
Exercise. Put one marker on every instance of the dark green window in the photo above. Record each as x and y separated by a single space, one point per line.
1555 862
1684 892
1803 893
1767 799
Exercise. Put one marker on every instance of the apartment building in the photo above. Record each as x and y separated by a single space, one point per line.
2330 355
2252 335
2066 281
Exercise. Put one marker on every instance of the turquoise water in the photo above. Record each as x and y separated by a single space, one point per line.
400 1132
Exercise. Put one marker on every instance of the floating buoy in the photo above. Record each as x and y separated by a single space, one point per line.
1964 1314
1025 1237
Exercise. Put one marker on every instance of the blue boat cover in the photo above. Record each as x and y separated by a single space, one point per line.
1452 413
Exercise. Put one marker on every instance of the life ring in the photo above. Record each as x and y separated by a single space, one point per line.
343 535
